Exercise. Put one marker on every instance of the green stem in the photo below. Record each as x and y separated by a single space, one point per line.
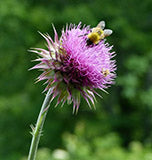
38 128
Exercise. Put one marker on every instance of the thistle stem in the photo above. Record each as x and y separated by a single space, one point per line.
37 131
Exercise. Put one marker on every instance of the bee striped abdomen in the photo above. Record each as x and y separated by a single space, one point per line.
93 38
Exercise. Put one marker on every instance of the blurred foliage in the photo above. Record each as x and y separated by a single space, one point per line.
126 111
108 147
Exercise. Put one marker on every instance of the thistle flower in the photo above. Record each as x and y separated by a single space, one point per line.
72 69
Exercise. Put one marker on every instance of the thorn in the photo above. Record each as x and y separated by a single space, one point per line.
32 127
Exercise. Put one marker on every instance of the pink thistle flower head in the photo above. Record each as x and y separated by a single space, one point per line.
72 68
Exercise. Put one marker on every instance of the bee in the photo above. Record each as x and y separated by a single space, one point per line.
105 72
98 33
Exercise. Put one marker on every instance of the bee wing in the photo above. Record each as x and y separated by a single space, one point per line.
101 24
107 32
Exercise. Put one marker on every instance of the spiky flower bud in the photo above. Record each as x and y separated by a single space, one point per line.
72 68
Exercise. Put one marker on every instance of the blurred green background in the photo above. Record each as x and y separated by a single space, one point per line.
121 126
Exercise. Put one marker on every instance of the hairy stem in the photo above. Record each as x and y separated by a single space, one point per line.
39 125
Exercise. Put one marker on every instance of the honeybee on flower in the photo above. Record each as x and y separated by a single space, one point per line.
98 33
